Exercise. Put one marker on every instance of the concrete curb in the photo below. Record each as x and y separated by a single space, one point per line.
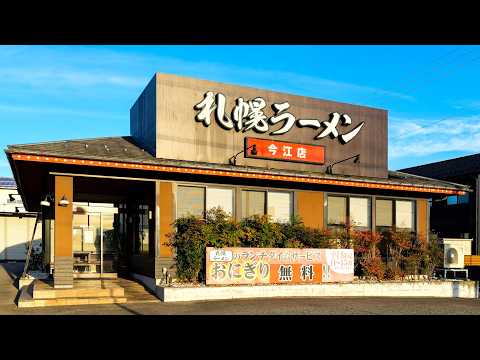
445 289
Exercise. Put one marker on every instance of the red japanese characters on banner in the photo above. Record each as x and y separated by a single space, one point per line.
286 151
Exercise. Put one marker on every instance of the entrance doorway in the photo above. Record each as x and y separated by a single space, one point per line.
96 240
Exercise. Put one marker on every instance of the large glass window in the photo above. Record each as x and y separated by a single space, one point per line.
457 199
336 211
404 215
344 209
220 197
360 213
277 204
253 203
190 201
398 214
384 214
280 206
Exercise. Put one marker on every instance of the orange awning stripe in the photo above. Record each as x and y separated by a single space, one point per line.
251 175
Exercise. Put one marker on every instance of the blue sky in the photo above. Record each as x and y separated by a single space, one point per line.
67 92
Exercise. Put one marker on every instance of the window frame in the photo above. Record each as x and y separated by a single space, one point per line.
348 212
394 211
232 189
205 187
292 202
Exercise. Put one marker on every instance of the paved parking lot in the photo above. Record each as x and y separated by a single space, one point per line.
291 306
279 306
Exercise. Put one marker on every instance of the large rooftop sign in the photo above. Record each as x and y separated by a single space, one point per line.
189 119
250 115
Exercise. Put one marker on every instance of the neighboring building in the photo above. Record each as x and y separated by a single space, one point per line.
16 224
197 144
455 215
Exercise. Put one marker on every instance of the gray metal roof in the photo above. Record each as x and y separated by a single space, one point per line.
124 149
465 165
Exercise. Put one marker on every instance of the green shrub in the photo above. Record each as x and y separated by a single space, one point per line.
189 243
261 232
221 230
390 255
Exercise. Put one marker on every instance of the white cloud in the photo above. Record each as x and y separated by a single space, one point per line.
416 137
93 66
55 77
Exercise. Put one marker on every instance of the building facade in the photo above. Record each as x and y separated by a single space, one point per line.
109 203
455 215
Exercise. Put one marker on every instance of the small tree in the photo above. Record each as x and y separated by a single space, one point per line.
188 239
367 255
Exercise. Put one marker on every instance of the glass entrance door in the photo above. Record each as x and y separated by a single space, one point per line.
95 244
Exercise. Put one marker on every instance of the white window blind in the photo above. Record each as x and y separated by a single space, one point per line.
384 212
404 214
218 197
280 206
360 212
337 210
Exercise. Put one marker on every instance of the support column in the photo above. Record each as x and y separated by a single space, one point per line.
423 221
164 217
63 275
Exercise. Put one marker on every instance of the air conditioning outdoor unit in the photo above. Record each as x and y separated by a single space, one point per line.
454 251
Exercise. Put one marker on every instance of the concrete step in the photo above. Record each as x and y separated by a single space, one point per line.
26 300
77 293
41 290
23 303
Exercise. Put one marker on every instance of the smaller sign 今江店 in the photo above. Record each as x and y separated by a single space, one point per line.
284 151
229 266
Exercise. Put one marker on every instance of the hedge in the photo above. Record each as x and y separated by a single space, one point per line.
389 255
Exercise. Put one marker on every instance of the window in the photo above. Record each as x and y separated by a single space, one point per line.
190 201
404 215
398 214
280 206
384 214
360 213
253 203
219 197
143 230
277 204
336 211
341 209
463 199
452 200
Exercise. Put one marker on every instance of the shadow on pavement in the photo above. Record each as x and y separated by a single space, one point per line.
124 307
13 269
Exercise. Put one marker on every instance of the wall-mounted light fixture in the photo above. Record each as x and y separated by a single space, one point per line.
355 157
46 201
63 201
233 159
